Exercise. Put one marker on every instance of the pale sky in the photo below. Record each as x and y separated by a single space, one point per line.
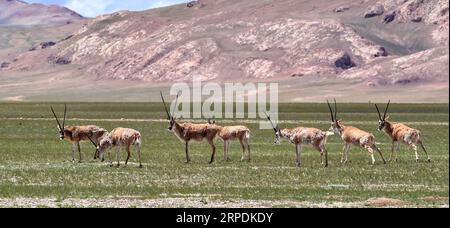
92 8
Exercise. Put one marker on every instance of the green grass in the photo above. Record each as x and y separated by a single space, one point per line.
35 164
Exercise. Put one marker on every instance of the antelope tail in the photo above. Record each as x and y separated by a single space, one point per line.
418 136
247 134
137 139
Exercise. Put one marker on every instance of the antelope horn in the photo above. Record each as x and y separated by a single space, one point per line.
378 110
54 114
271 123
165 106
385 112
92 141
331 111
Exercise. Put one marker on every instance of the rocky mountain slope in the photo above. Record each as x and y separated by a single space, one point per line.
26 27
375 44
16 12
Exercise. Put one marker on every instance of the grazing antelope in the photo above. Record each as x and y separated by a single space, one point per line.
233 133
303 136
119 138
400 133
76 134
352 136
187 132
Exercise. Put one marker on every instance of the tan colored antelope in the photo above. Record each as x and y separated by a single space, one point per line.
119 138
77 134
187 132
353 136
303 136
234 133
400 133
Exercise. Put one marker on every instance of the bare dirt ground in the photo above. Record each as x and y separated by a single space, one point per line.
15 87
194 202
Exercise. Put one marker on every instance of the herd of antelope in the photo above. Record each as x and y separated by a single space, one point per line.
104 141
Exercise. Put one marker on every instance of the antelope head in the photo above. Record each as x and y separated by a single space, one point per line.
60 127
105 144
276 129
211 121
336 125
170 117
382 119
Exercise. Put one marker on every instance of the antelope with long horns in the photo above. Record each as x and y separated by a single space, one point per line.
400 133
187 132
119 138
353 136
234 133
76 134
302 136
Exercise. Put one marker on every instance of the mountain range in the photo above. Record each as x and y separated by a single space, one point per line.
355 51
16 12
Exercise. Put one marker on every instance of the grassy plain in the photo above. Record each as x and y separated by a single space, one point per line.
35 167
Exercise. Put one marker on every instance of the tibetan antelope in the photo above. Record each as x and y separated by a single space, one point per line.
119 138
233 133
353 136
76 134
187 132
400 133
303 136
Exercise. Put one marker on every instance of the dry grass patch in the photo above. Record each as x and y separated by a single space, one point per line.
386 202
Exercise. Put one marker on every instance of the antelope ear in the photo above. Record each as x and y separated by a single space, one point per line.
387 117
339 122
